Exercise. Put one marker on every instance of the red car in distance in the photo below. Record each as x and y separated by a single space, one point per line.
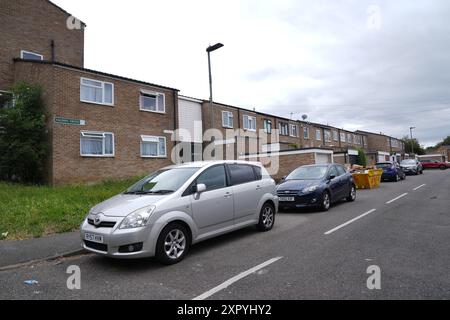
434 164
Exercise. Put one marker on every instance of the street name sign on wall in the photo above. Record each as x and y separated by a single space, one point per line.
72 122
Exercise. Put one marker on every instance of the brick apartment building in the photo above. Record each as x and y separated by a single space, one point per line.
106 126
100 125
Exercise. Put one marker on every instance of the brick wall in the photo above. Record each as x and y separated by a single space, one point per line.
287 163
124 119
31 25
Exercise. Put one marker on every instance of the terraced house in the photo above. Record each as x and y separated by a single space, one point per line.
105 126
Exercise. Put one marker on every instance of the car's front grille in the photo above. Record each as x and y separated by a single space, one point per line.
96 246
103 224
287 193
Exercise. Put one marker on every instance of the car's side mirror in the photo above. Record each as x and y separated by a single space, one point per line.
283 179
332 176
200 188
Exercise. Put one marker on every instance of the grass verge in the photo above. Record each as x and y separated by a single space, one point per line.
35 211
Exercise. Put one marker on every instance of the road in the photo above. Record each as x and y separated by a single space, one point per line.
308 255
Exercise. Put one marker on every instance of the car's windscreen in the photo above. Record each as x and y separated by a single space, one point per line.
383 165
163 181
308 173
408 162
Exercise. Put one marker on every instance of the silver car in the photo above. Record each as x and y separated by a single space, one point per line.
166 212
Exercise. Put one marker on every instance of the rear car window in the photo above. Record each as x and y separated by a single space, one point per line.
241 173
258 173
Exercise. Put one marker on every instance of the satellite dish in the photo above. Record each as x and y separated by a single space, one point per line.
304 117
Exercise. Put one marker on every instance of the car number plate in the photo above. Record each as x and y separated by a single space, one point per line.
93 238
286 199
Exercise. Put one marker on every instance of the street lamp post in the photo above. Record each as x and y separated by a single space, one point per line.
412 144
209 50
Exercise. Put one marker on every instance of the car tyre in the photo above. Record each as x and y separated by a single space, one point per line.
396 178
325 201
172 239
266 218
442 167
352 196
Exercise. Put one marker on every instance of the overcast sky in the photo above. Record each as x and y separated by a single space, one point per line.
371 65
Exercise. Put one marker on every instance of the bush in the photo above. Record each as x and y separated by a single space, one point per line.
361 159
23 136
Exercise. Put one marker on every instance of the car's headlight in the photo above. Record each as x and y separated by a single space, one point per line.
309 189
138 218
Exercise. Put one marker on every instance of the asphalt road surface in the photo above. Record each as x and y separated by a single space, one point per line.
403 230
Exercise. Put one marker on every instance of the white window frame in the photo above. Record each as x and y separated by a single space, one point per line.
229 115
306 130
103 103
284 125
291 130
86 134
253 118
325 138
154 93
22 52
343 137
350 138
269 123
335 136
156 139
318 135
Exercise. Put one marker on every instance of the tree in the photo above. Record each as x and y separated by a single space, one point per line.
23 136
361 158
444 142
413 146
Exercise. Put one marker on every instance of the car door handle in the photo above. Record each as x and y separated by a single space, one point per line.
227 195
258 188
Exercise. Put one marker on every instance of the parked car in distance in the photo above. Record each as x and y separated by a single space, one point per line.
434 164
411 166
172 208
391 171
316 186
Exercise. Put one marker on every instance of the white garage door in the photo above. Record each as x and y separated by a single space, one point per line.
323 158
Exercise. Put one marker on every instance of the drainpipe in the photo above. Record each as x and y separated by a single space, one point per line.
52 46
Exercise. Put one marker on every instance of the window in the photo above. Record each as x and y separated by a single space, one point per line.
341 170
318 135
357 139
349 138
293 130
306 133
153 147
249 123
334 171
241 173
258 173
227 119
388 140
94 91
343 136
152 101
213 178
335 136
267 126
6 100
96 144
27 55
327 136
284 129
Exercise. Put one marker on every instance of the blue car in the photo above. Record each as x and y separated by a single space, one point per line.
391 171
316 186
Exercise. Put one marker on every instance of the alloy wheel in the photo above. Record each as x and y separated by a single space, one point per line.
353 193
175 244
267 216
326 201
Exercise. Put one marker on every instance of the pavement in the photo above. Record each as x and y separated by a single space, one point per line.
18 252
402 228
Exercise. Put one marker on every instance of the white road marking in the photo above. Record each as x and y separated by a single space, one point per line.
229 282
395 199
348 222
423 185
